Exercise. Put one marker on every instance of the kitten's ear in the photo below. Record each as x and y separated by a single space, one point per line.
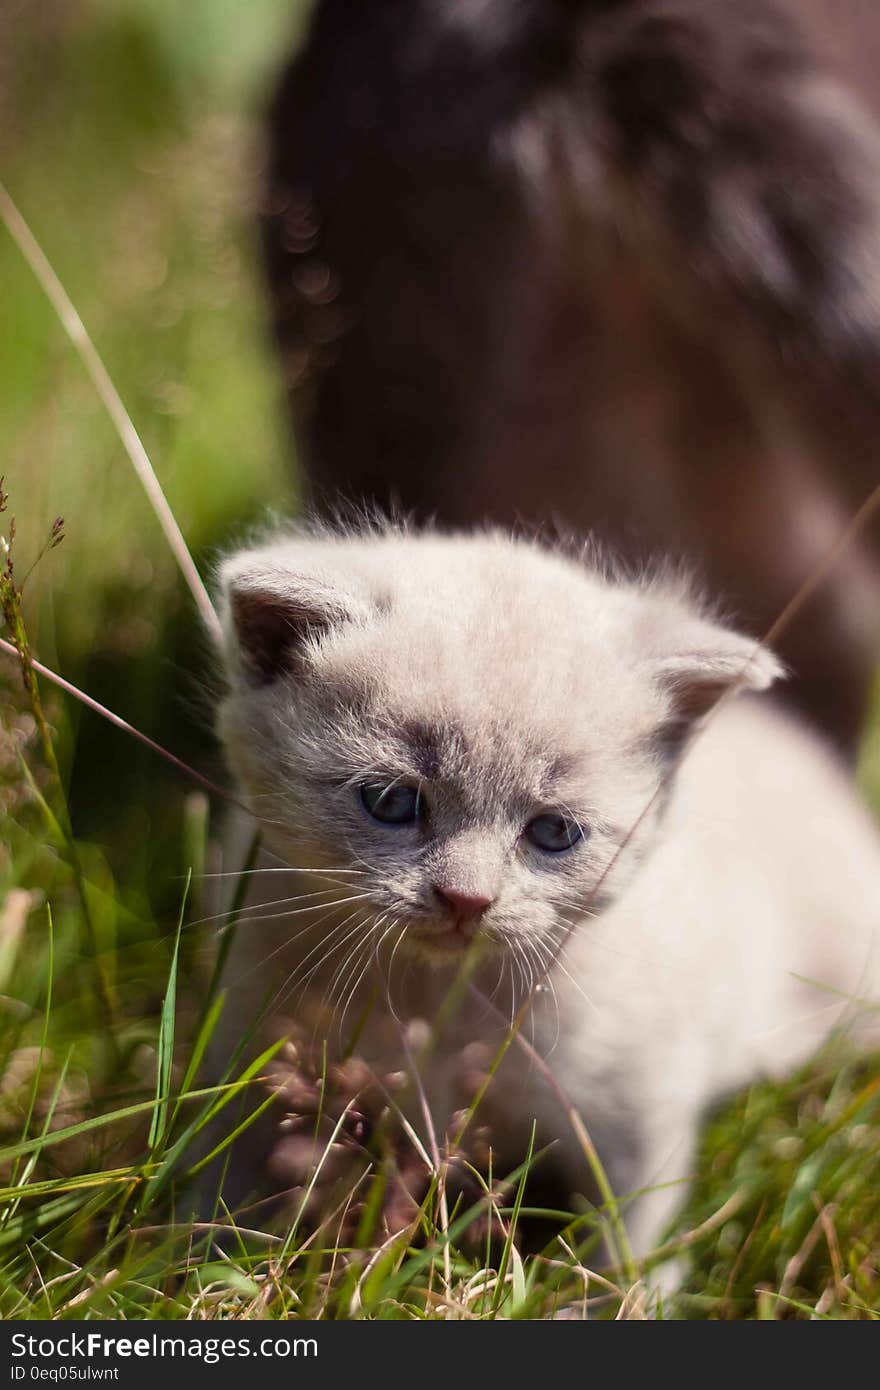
270 614
697 661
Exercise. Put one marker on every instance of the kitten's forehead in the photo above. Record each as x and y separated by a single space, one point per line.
488 647
496 669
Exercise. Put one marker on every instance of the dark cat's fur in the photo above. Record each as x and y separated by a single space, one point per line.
614 262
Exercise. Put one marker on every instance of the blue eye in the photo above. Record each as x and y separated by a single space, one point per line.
396 803
554 833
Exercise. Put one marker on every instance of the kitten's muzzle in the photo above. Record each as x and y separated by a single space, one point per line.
466 909
457 924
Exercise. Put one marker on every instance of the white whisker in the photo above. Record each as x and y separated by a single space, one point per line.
289 941
293 983
545 964
556 963
370 960
274 869
255 912
390 975
341 970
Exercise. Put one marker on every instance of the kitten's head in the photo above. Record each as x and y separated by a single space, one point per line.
475 726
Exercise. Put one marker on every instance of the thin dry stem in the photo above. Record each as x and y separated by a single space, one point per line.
122 724
131 441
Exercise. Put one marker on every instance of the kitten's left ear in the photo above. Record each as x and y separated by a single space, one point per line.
273 613
697 661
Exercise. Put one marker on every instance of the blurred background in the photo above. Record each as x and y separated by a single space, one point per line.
130 140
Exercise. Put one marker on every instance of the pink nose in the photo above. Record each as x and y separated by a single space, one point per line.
465 907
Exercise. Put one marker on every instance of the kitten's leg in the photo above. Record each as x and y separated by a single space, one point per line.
747 179
665 1184
649 1162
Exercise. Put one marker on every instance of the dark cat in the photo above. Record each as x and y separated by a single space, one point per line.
610 261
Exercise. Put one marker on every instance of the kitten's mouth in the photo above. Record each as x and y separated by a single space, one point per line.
446 942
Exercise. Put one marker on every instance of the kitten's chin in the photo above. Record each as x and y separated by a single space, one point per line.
444 947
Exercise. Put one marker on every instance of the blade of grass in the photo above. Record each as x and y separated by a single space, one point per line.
200 1047
165 1059
504 1262
44 1040
310 1187
230 1138
51 1186
21 1185
227 936
96 1122
209 1112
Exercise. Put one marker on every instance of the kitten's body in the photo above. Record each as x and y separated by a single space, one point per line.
723 917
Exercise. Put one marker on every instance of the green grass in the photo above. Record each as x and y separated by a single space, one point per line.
127 140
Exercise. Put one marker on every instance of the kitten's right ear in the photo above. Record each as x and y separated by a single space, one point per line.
697 661
270 615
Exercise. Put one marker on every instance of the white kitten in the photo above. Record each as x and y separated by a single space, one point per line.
476 736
